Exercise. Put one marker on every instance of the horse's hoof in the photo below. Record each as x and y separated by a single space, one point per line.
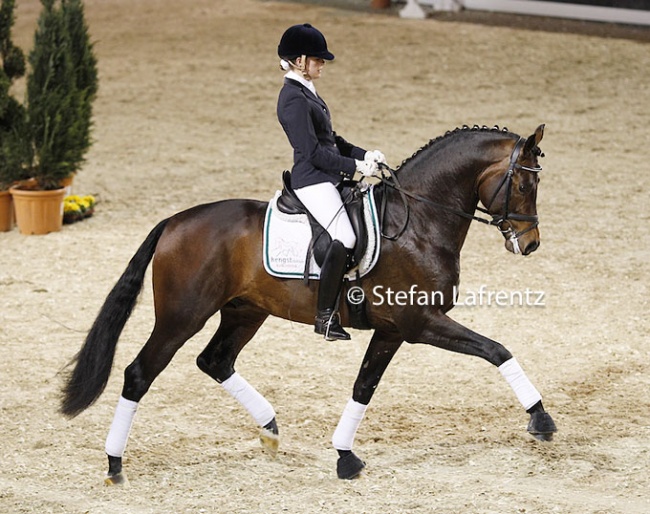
270 441
117 479
541 426
349 466
115 475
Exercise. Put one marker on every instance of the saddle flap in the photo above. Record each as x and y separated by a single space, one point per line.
354 205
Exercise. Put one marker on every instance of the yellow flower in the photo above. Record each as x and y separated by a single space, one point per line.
76 208
71 207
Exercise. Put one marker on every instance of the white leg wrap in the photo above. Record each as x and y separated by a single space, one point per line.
353 413
258 406
523 388
121 426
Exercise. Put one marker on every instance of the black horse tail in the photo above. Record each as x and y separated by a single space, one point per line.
93 364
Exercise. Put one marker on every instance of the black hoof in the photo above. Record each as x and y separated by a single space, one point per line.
541 426
349 466
115 475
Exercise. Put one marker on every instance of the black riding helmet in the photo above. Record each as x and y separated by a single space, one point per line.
303 40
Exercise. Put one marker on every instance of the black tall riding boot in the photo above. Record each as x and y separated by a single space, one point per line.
331 280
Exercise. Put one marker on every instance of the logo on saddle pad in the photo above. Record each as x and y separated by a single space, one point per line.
288 239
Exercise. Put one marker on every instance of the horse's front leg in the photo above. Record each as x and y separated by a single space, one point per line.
380 351
443 332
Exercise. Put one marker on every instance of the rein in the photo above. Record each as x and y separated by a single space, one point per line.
497 220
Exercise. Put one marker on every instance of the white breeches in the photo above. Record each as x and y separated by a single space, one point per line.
325 204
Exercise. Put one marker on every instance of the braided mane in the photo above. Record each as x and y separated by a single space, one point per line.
466 128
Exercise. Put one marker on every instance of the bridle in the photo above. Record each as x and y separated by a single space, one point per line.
501 221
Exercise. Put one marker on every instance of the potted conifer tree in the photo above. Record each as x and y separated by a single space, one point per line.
12 116
84 64
61 87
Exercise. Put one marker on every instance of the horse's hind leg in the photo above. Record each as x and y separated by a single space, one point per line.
238 326
168 336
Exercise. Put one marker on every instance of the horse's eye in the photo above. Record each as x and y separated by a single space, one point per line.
523 188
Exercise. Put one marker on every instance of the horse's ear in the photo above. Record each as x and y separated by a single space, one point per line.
534 139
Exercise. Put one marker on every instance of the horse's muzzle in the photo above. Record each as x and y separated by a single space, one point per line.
522 243
531 247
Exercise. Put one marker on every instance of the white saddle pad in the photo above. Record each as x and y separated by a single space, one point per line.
287 238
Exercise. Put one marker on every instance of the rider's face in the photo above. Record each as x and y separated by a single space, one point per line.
314 67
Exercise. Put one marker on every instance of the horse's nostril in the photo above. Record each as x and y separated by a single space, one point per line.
531 247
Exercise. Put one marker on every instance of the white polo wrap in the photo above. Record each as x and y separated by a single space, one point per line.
343 437
121 426
258 406
523 388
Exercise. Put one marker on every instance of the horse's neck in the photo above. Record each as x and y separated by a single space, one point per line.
445 184
457 189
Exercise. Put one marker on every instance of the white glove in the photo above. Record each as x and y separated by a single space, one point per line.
367 168
376 156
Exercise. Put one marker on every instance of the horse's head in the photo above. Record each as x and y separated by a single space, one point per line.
508 190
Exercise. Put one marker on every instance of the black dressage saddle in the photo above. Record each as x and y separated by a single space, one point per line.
352 196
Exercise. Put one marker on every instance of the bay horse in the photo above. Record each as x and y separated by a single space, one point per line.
208 259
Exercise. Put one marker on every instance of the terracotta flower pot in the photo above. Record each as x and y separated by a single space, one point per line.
38 212
7 220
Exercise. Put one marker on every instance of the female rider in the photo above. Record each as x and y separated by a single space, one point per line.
322 159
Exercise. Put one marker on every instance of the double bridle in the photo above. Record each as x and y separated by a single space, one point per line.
501 221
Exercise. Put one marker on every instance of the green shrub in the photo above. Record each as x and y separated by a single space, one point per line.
13 145
61 86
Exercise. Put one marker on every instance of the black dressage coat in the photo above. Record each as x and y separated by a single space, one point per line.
319 155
